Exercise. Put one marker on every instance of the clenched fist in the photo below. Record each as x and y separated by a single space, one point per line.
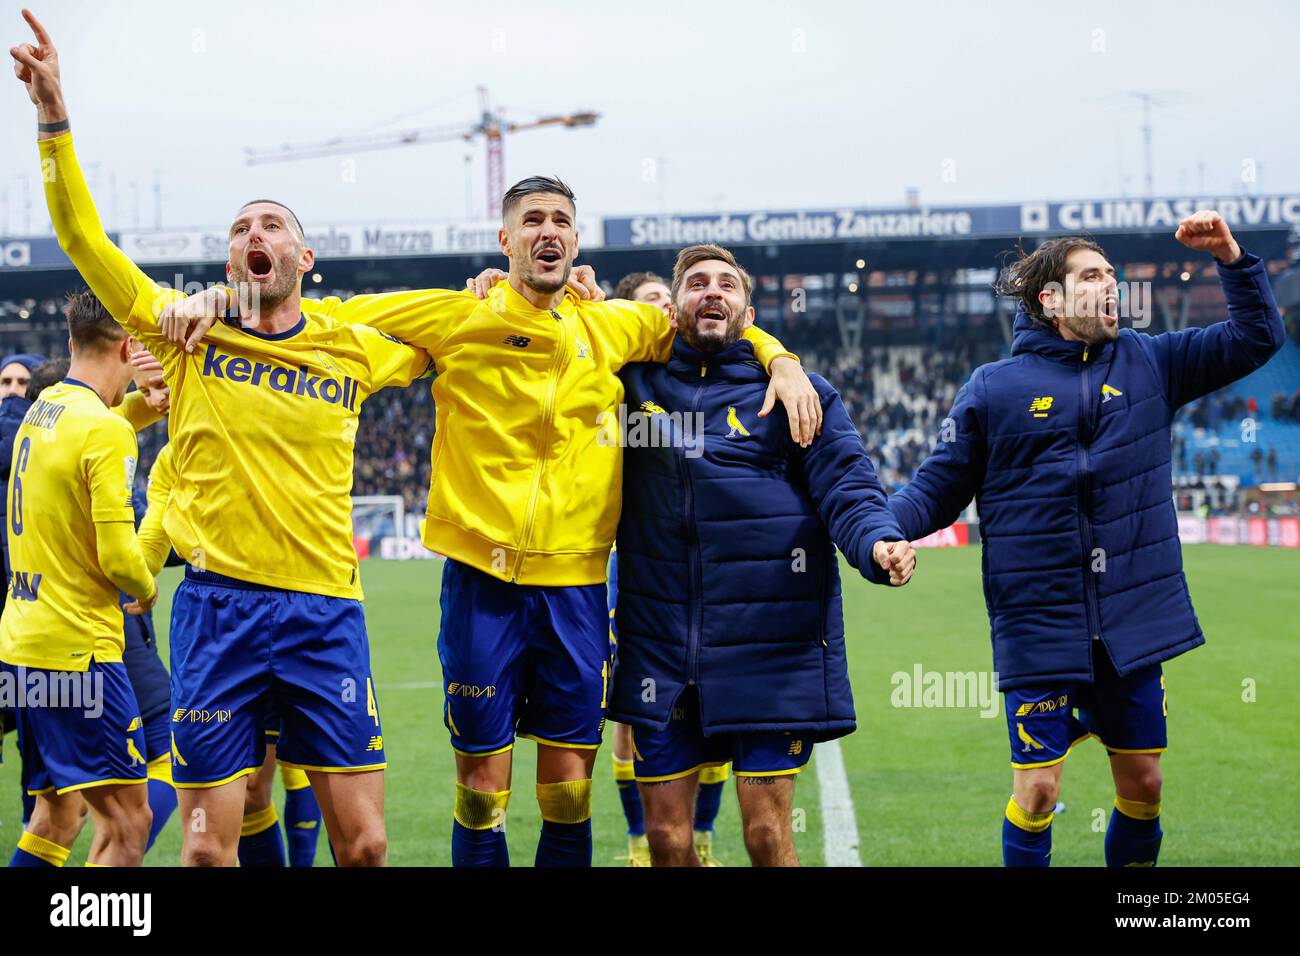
1208 232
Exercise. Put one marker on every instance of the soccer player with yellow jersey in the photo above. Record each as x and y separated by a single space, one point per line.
524 502
72 547
262 426
260 839
652 289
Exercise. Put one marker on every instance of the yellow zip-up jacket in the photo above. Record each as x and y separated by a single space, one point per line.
527 485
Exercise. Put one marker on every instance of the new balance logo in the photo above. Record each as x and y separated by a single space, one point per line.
280 379
24 586
518 341
1041 406
375 743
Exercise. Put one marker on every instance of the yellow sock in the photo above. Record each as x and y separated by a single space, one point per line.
43 849
565 802
259 820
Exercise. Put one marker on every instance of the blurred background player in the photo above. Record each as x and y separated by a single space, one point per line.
15 373
72 549
1066 449
262 426
753 669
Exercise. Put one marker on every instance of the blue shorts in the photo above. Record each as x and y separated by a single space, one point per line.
91 737
271 724
1127 714
681 749
239 648
522 660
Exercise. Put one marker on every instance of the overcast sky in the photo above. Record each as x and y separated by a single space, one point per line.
706 105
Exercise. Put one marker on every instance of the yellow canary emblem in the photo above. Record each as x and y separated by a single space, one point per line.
733 422
1029 742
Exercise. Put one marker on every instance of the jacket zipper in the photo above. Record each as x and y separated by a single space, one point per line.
696 619
1085 524
549 411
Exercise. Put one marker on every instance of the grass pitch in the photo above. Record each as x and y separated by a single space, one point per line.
928 784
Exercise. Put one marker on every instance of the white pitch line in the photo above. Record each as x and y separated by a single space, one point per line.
839 823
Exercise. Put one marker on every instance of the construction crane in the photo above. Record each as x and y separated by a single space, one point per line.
491 125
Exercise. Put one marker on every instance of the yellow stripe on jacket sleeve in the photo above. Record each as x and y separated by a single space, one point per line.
767 348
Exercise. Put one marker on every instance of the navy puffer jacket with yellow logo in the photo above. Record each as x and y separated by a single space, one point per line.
728 578
1066 451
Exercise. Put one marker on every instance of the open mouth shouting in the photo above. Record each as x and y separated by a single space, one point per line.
260 265
712 312
548 257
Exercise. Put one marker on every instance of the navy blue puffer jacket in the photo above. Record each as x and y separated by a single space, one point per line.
12 410
728 579
1066 451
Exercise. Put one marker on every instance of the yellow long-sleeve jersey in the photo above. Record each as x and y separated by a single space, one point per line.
153 539
69 494
262 425
526 484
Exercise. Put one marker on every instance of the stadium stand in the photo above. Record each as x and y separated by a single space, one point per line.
898 395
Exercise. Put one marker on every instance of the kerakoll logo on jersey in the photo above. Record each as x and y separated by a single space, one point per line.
291 381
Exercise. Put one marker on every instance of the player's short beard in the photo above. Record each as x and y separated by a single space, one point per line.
547 286
712 342
270 294
1089 329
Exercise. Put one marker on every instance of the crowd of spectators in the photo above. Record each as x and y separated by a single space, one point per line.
897 395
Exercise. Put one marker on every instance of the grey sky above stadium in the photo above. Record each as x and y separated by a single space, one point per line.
721 105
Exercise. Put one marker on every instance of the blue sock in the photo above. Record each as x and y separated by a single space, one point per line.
625 780
1026 837
1134 835
707 803
478 847
162 801
302 820
265 846
564 844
